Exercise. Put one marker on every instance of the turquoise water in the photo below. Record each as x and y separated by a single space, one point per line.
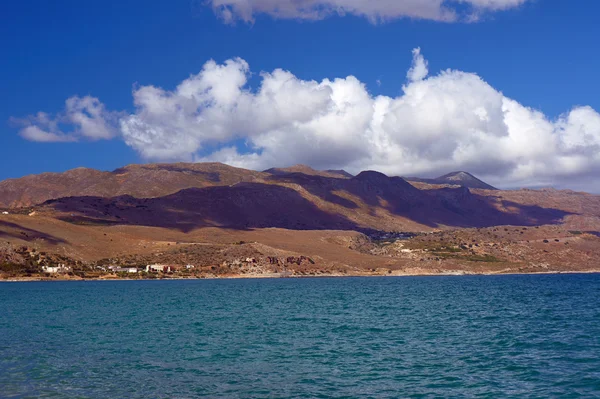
503 336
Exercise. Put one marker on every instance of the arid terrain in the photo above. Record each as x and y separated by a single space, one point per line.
213 220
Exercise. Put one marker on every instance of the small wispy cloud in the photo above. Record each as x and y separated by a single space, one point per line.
373 10
86 117
420 67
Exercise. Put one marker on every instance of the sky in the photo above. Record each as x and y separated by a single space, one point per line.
504 89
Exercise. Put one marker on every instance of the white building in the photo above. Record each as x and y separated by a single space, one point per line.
120 269
61 268
158 268
126 270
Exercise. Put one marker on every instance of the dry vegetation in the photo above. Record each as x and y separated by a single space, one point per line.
30 242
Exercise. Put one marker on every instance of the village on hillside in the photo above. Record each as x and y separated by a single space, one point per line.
506 249
44 265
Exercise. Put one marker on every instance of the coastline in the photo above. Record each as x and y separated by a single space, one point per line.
271 276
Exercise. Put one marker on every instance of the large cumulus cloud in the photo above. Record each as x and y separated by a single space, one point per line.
374 10
451 121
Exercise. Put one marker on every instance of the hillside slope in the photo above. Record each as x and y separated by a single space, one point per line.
141 181
369 201
188 196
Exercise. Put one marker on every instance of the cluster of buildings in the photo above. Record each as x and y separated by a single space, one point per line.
62 269
156 268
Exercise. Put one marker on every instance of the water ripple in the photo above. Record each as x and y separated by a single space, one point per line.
422 337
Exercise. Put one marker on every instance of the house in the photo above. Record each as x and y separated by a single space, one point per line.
158 268
190 267
126 270
120 269
61 268
5 213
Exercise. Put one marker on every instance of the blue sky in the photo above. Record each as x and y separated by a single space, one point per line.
543 54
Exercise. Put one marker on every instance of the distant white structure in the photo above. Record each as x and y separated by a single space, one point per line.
61 268
119 269
158 268
126 270
190 267
5 213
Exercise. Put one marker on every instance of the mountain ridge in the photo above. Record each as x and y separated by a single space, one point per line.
296 201
203 194
156 180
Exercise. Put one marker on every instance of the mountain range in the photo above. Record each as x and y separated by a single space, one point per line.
157 180
312 221
191 195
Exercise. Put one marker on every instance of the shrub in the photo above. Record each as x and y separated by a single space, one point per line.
482 258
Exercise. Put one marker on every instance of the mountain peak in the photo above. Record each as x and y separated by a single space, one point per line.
459 178
460 173
370 175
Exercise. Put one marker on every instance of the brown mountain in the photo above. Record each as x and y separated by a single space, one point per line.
187 196
141 181
298 201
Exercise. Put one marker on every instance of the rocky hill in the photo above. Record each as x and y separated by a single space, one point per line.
141 181
369 201
187 196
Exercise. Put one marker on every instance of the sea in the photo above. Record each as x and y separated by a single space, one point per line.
512 336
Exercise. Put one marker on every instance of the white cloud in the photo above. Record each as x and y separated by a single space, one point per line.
420 67
440 123
451 121
34 133
374 10
87 116
214 107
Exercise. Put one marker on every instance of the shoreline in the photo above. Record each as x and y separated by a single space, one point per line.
270 276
